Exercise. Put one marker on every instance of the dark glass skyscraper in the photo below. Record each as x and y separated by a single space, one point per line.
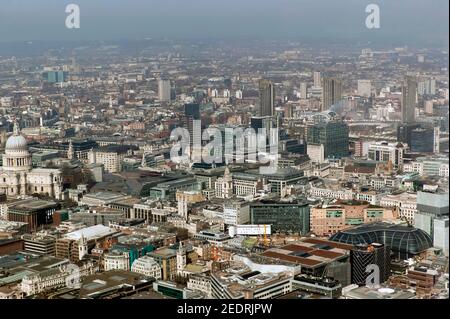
409 93
192 113
266 98
422 140
192 110
364 255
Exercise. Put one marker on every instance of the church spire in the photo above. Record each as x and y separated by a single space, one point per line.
70 152
227 175
16 130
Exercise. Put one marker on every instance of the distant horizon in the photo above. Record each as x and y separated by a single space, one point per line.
414 23
40 47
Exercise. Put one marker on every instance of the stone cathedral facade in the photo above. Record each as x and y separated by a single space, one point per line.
17 177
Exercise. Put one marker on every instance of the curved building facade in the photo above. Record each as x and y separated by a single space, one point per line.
404 241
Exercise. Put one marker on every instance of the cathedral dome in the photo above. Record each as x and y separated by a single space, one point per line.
16 142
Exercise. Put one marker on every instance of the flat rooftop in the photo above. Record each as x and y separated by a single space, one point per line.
310 252
92 232
109 281
238 278
30 205
105 195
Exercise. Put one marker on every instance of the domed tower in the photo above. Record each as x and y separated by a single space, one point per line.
16 157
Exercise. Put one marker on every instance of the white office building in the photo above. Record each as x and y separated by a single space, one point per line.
164 90
147 266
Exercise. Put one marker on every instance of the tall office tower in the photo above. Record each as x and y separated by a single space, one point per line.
192 110
303 90
423 139
364 88
331 92
431 87
421 87
266 98
427 87
317 80
409 94
431 204
432 216
191 113
164 90
363 256
404 132
333 135
441 234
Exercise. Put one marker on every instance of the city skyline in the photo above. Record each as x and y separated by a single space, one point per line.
201 153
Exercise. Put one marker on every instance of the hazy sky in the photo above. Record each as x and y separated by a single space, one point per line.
421 22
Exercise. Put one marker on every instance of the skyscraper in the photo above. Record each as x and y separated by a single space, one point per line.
266 98
303 90
364 255
431 204
331 92
409 93
192 110
317 79
192 113
164 90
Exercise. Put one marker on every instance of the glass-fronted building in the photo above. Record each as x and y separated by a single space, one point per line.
333 135
284 217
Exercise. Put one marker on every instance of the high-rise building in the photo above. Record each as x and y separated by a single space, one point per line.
303 90
364 88
191 114
427 87
192 110
265 125
56 76
164 90
420 137
331 92
333 135
441 235
422 140
404 132
317 79
409 95
363 256
266 98
431 205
